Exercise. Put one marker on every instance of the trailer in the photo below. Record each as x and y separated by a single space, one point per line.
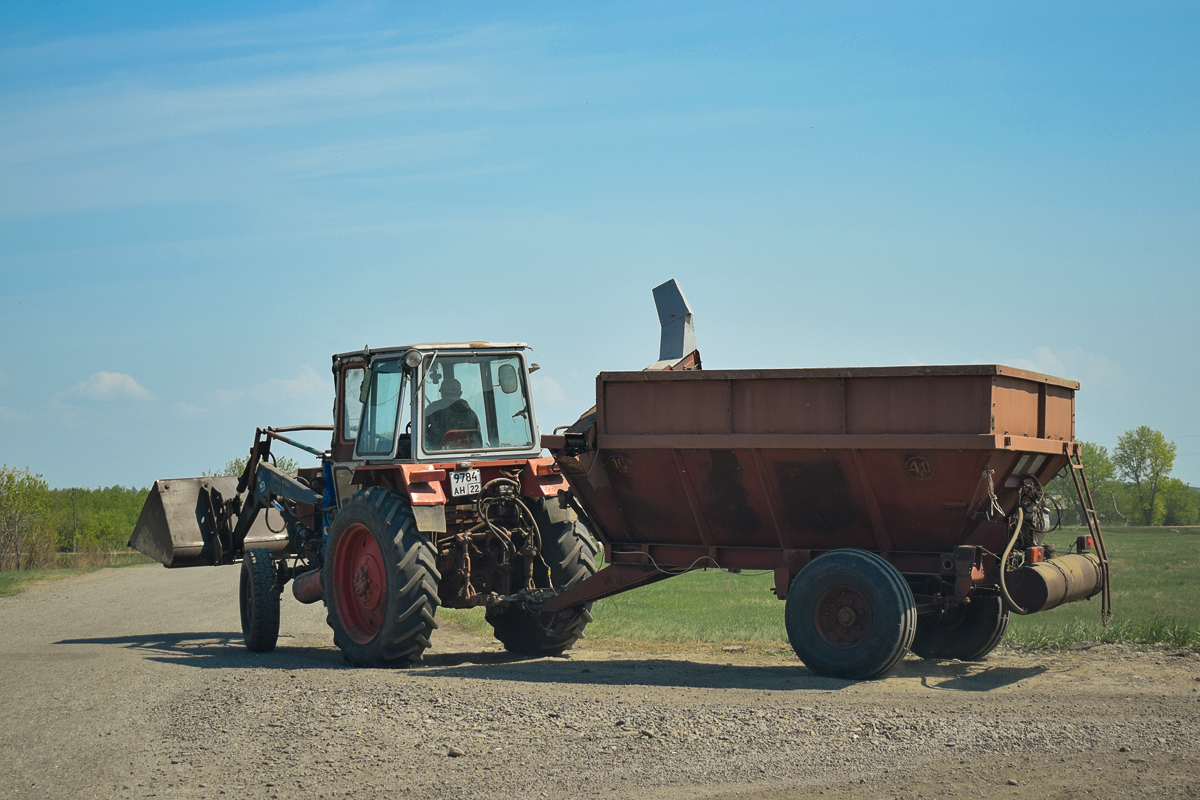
899 508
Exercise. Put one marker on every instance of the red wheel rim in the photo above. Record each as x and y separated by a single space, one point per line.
360 583
842 616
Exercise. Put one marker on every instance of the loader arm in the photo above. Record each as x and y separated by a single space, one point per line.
269 484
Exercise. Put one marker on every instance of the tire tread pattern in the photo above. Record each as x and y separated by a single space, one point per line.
260 623
568 550
848 664
412 574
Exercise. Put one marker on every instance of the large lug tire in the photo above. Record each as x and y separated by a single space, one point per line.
260 594
569 551
380 578
850 614
967 632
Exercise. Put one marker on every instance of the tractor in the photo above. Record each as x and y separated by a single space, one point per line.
433 492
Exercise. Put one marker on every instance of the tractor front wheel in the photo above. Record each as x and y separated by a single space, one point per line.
380 578
259 592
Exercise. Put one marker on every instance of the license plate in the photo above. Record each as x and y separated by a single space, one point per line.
465 482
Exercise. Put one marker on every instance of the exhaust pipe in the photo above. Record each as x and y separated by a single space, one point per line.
1049 584
307 588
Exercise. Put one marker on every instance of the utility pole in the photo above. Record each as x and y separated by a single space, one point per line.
74 521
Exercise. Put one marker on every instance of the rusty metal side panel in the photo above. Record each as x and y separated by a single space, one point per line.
730 497
666 407
1015 406
1060 413
891 460
820 497
589 483
649 489
788 405
925 404
926 495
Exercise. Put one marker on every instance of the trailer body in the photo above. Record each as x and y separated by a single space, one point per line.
939 471
757 469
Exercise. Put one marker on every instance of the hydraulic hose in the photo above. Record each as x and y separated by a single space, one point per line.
1008 601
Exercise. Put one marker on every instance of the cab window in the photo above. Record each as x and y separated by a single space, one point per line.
352 404
383 411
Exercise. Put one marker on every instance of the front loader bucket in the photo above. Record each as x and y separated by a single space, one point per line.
178 524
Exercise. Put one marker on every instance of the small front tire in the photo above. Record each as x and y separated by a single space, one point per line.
260 595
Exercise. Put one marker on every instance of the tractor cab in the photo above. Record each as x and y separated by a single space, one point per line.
434 402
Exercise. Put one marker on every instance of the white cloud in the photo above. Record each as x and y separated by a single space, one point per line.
1072 363
547 392
307 383
227 397
189 410
111 386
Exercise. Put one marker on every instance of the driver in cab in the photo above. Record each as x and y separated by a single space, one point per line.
450 413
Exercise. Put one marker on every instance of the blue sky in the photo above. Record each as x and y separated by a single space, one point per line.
200 205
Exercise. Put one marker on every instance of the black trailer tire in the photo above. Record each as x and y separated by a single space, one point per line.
260 594
967 632
850 614
381 581
569 551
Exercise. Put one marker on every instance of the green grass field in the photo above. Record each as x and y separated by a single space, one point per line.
1156 598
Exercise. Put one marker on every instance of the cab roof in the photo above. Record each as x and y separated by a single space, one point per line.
430 347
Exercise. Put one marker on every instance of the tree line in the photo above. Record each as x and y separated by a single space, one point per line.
1132 485
37 522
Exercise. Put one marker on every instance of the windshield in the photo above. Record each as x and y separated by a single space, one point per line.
473 401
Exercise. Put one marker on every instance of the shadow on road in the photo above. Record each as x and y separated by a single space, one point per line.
219 650
649 672
968 677
224 650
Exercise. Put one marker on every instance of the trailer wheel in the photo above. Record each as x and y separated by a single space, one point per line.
259 593
850 614
570 552
380 577
967 632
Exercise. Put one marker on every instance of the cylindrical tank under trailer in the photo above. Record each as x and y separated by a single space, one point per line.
899 508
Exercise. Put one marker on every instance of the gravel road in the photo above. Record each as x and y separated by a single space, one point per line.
133 683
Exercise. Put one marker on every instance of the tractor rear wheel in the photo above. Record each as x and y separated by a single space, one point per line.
967 632
380 578
259 593
569 551
850 614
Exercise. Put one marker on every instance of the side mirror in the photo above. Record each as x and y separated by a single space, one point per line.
508 378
